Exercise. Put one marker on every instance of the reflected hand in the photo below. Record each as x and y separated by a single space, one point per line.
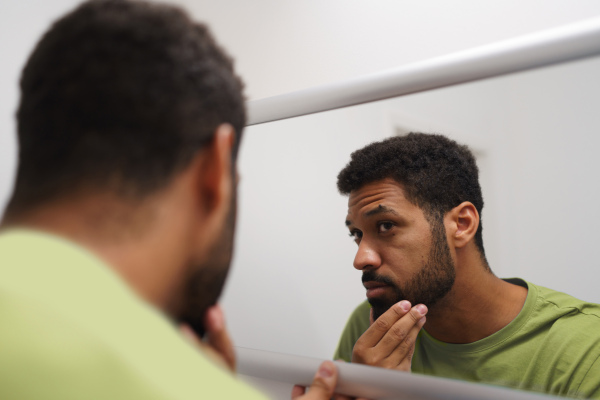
390 340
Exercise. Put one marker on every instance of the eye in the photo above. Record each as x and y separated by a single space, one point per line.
356 235
383 227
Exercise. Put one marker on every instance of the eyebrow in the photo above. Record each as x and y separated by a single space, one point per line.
381 209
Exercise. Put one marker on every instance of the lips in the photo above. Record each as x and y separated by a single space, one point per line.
373 284
374 288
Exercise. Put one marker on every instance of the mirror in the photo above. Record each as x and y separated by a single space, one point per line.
535 135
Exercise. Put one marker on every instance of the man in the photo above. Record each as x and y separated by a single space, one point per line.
120 227
434 305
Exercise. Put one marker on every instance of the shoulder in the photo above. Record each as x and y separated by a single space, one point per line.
64 361
566 306
127 356
360 318
571 329
362 310
565 317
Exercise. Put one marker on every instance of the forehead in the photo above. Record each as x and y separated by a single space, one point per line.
383 193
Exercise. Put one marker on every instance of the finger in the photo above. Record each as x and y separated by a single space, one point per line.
401 358
323 384
406 350
382 325
395 339
298 391
217 335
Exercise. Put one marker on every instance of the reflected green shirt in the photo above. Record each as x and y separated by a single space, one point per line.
552 346
72 329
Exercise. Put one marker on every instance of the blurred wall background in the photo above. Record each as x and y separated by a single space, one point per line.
535 134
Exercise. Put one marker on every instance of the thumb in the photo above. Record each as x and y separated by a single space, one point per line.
217 335
323 384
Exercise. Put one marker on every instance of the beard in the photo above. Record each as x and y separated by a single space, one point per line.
207 279
432 283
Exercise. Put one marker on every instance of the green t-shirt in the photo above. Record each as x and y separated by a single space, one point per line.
72 329
552 346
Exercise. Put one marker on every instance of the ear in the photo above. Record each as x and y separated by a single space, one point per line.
215 177
462 223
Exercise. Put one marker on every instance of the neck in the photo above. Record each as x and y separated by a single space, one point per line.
133 240
478 305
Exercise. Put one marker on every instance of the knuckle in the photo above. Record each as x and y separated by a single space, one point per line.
381 325
399 332
405 348
358 348
320 385
405 365
361 356
414 314
366 357
399 312
372 359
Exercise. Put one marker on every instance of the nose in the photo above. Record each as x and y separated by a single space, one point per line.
366 257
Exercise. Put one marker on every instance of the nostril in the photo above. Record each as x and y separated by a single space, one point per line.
366 258
362 264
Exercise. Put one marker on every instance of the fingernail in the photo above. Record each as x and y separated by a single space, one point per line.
405 305
422 321
325 370
421 309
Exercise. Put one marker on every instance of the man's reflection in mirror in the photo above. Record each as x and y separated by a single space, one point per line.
434 305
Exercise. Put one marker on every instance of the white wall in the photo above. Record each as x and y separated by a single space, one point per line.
22 22
535 134
292 284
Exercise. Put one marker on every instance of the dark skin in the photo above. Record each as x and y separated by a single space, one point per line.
394 239
171 231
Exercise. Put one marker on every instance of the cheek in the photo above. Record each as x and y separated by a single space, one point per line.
406 257
399 261
421 243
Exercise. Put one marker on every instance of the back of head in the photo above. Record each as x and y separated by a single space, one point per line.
437 173
118 96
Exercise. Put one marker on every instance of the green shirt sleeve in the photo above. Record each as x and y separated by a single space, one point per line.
357 324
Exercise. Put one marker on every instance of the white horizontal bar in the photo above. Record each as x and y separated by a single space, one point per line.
370 382
566 43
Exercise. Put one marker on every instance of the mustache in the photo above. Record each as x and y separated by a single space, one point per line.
371 276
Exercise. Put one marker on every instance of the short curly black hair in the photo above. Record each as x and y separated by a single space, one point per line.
437 173
119 96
